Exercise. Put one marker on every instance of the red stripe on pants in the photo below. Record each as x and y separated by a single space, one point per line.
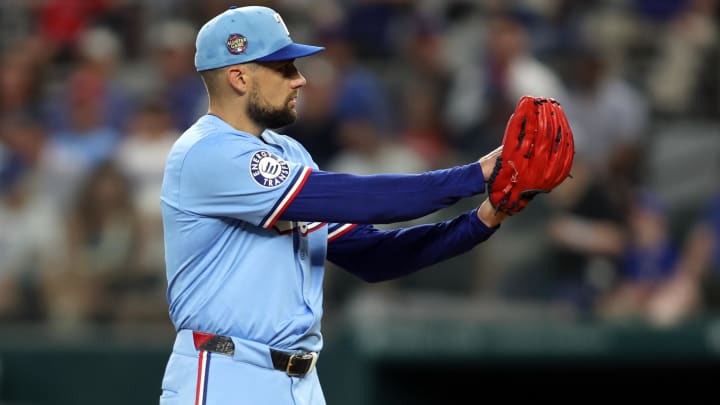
201 378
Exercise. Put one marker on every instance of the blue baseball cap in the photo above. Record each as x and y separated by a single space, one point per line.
246 34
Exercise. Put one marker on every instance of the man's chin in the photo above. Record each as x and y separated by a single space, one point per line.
275 124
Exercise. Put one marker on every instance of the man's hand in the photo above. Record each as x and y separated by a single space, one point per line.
487 213
487 162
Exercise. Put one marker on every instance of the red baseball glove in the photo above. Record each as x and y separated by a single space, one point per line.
537 155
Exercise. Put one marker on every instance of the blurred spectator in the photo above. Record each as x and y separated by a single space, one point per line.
62 23
609 119
364 115
172 44
30 241
696 285
686 43
73 152
372 26
103 241
421 61
141 157
423 132
587 236
368 144
557 27
421 57
124 18
359 93
366 150
95 73
484 94
21 148
648 261
21 88
21 84
29 245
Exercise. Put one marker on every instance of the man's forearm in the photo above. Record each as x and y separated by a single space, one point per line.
376 255
382 198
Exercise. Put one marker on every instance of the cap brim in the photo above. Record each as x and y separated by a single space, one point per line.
292 51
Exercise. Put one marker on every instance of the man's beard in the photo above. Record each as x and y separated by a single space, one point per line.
269 117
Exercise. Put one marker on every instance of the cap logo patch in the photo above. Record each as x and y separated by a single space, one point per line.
236 44
268 170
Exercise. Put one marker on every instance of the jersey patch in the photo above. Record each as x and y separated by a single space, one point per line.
268 170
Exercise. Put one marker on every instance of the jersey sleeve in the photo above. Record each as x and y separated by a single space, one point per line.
382 198
336 231
378 255
241 181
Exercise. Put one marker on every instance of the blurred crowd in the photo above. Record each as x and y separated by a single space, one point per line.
93 93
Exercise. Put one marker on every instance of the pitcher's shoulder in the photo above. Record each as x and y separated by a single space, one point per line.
286 141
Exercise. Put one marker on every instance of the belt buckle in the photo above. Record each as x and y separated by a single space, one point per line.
312 356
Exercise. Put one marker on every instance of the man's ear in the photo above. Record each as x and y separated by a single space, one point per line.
238 78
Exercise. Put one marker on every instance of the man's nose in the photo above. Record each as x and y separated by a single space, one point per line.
298 81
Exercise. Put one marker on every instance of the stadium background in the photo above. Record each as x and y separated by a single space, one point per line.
606 282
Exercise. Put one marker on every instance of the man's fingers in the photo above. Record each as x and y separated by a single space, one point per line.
487 162
492 155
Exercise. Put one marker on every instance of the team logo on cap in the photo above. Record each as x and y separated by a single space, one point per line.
268 170
236 44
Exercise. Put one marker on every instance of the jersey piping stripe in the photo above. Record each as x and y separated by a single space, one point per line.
202 378
342 230
278 204
314 226
286 199
311 227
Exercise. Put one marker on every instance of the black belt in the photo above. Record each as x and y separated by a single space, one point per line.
294 364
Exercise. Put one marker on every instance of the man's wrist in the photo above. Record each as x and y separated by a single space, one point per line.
488 215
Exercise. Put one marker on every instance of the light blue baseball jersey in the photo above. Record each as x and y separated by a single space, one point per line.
232 268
